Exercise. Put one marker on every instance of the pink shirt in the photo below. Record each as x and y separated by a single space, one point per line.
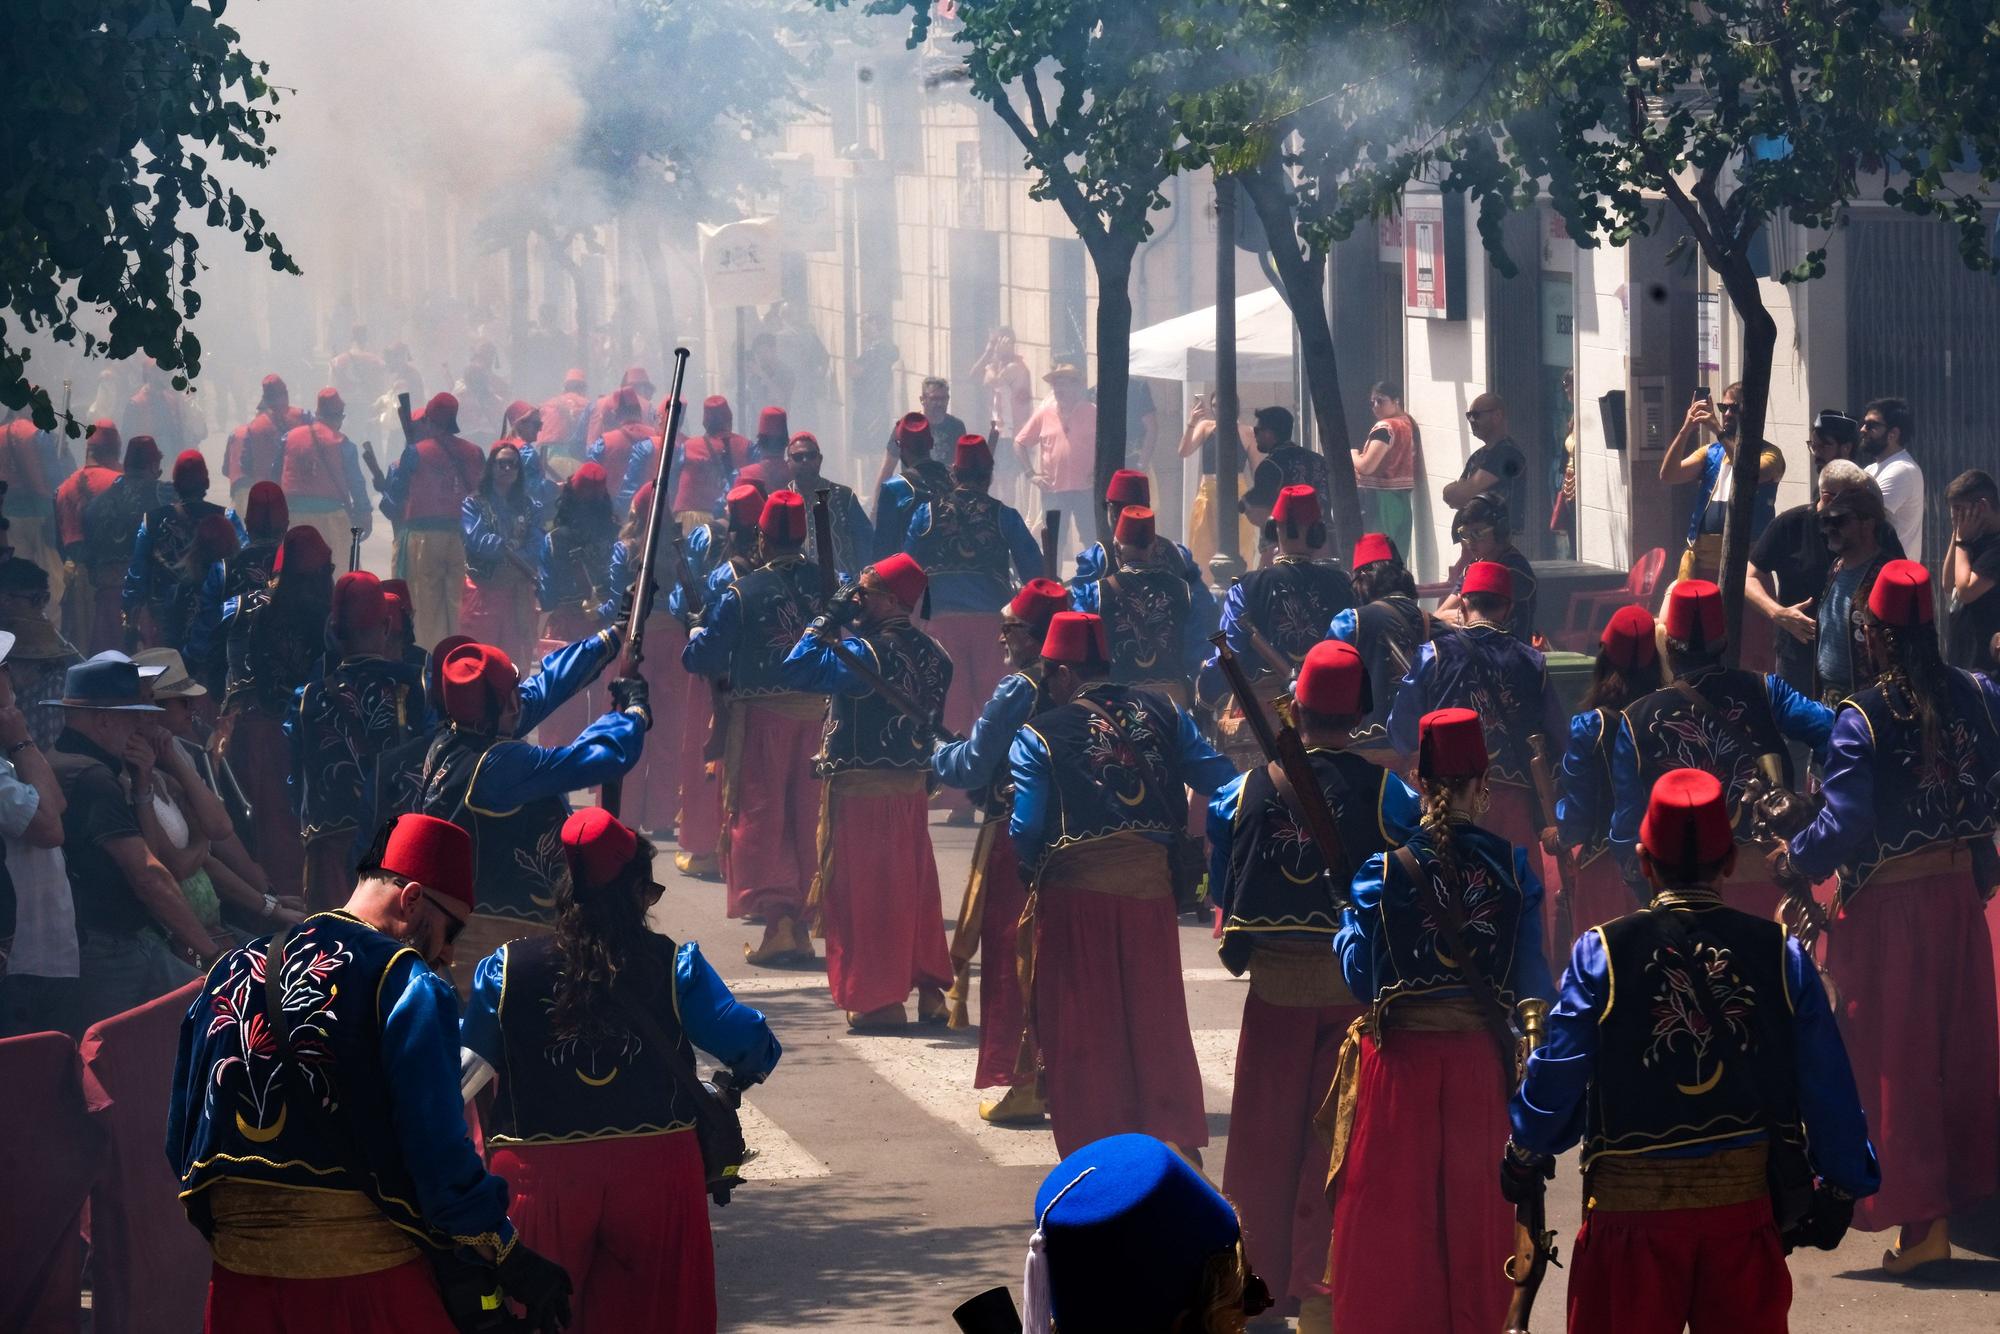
1068 442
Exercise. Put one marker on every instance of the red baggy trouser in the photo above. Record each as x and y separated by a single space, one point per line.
1000 1010
1913 969
1719 1270
699 822
1419 1227
565 626
258 746
652 791
878 891
628 1218
500 610
1110 1012
774 800
972 639
1275 1170
404 1299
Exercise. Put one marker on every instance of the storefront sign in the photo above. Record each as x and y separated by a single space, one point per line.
1708 330
1434 256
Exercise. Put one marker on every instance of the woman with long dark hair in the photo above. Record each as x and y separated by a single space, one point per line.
1387 627
502 528
1443 943
581 1032
1627 669
573 580
1909 803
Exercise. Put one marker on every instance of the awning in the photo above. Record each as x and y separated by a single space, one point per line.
1183 348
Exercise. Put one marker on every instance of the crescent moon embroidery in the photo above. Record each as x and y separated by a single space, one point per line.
1444 958
260 1134
1146 657
1124 800
1311 879
598 1083
1696 1090
541 902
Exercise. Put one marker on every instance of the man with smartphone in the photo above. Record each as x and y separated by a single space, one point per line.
1687 459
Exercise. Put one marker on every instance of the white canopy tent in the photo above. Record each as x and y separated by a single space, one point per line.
1183 348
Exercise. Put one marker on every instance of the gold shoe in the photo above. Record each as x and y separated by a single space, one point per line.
932 1007
1020 1105
1316 1314
702 866
1935 1246
889 1016
799 942
777 946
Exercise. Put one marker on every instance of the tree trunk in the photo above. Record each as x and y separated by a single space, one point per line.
1112 256
1304 286
1760 340
1226 500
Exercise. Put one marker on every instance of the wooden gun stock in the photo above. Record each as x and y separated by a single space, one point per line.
373 465
1552 842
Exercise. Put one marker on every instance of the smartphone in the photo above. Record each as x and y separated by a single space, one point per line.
1703 393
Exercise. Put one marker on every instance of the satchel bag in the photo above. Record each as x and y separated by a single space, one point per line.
718 1126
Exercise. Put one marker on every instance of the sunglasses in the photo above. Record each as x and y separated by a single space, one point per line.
1728 407
1872 425
805 458
1829 522
1476 413
453 924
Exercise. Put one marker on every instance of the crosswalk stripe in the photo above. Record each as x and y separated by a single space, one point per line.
1215 1052
788 982
936 1074
779 1156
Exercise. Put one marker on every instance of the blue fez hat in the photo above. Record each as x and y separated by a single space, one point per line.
104 683
1126 1228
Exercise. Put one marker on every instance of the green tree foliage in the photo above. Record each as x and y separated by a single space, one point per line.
1075 82
118 112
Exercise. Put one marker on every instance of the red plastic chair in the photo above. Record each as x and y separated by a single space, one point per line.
1585 617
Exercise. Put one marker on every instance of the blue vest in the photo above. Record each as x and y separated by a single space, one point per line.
1669 732
866 731
1495 674
247 1122
777 602
1145 618
343 724
964 538
1113 775
1410 955
610 1084
1387 634
1292 602
579 568
1662 1079
1919 803
517 856
273 650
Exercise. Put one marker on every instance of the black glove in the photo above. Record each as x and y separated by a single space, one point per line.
629 693
1522 1174
540 1285
841 610
1825 1224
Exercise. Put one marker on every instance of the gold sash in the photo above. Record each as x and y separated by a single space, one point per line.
1937 859
1297 973
1631 1183
1335 1120
273 1231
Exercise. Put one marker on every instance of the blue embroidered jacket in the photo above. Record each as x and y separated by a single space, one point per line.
1488 670
967 541
753 624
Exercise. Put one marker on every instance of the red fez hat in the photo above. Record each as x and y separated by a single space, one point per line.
303 551
214 538
398 588
771 422
1451 744
1332 680
395 611
574 376
1038 602
642 499
330 403
476 676
517 412
441 650
1373 547
441 406
784 518
1076 639
972 454
746 505
715 413
1129 487
590 479
1694 613
141 451
597 845
806 436
1488 576
1687 822
272 382
1135 526
1628 640
636 378
903 577
188 465
1298 505
359 604
103 439
1902 595
434 853
914 432
625 403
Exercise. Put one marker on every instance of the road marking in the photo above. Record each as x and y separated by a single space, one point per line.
936 1074
787 982
1215 1053
779 1156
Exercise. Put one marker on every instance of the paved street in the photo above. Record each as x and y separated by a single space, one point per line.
878 1199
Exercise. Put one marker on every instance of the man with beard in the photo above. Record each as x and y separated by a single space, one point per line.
424 494
978 765
1887 428
1714 466
1792 556
770 795
922 478
322 475
161 551
110 523
255 452
853 535
349 1160
1861 541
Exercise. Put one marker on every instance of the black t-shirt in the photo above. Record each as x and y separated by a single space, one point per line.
1793 551
1503 459
1973 625
98 812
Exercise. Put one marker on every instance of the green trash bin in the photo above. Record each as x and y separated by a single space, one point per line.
1570 674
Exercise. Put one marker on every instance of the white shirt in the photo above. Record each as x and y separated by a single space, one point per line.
1902 483
44 912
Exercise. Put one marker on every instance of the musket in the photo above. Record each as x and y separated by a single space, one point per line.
1273 659
1534 1241
1284 748
1051 525
409 422
353 550
374 466
1545 802
829 577
642 588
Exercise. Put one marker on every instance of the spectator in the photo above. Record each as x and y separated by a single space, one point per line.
868 380
1062 435
41 655
1284 463
1497 465
1859 534
1385 468
1972 570
1792 557
1484 531
134 930
1686 459
1010 387
1887 428
38 987
766 378
1198 436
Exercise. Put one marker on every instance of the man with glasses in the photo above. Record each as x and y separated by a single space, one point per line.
1497 465
1714 465
338 1150
1887 427
853 535
1859 536
1789 563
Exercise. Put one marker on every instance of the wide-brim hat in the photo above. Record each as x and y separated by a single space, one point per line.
104 685
6 644
1063 370
173 681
